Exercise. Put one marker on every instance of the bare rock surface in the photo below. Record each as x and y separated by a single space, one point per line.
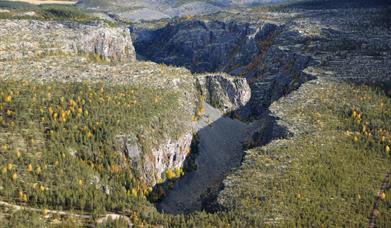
224 92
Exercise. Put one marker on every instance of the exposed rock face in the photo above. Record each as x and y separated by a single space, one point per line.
41 38
199 46
152 165
170 155
278 73
224 92
109 43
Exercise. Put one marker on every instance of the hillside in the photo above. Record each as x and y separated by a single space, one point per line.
76 107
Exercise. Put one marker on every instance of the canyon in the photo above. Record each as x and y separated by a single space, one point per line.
249 52
223 88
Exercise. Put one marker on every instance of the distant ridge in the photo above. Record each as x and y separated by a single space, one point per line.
157 9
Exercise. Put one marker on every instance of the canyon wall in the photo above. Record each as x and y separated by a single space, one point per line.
265 53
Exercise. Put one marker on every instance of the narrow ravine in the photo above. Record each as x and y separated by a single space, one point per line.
221 144
220 148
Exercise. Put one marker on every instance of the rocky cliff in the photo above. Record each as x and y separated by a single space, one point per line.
224 92
79 46
40 39
152 165
199 45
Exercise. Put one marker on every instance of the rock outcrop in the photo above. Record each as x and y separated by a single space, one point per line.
169 155
338 48
224 92
109 43
151 165
42 38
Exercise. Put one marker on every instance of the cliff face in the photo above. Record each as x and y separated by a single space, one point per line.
224 92
199 46
152 165
40 39
170 155
109 43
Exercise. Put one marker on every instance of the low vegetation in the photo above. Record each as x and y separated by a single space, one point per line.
20 10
